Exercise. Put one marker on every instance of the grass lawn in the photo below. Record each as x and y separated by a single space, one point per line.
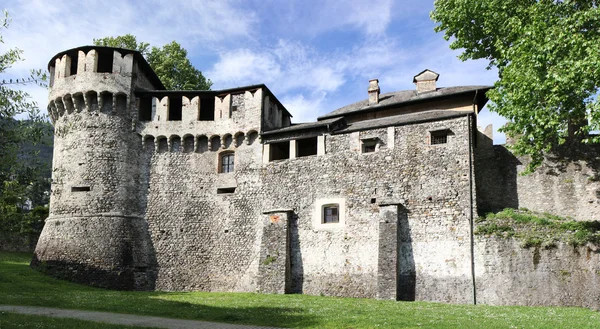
20 285
12 320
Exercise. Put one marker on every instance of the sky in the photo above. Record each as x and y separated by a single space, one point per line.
315 56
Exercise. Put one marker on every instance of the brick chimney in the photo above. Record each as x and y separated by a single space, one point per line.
425 81
373 91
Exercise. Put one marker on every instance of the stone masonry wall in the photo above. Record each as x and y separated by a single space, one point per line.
507 274
430 181
567 183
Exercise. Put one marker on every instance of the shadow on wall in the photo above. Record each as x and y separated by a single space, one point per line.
297 269
495 176
406 260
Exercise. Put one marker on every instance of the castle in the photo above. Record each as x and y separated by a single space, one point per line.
220 191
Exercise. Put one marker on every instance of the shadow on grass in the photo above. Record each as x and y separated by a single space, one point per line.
21 285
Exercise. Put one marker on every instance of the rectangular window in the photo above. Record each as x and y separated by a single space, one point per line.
145 108
306 147
439 137
369 145
175 108
331 214
280 151
227 162
207 109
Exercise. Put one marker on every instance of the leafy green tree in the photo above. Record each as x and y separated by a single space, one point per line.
20 172
547 53
170 62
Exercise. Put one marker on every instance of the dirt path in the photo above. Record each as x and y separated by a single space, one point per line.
124 319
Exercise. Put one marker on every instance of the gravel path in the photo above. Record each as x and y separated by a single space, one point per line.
124 319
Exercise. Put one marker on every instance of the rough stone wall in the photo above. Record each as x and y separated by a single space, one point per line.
430 181
507 274
95 232
567 183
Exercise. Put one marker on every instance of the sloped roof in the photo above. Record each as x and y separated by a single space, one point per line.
402 119
407 96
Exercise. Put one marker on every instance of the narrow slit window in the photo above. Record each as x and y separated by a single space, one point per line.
331 214
80 189
226 190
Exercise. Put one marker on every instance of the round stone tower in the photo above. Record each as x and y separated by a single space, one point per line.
96 232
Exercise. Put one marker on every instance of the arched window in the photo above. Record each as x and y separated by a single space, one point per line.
226 162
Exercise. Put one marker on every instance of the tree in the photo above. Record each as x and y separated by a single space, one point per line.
21 173
170 62
547 53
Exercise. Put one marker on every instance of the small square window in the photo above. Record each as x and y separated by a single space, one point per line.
331 214
439 137
369 145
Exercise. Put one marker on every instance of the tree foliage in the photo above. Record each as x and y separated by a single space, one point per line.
548 57
170 62
22 179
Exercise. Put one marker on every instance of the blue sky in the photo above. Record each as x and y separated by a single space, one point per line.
316 56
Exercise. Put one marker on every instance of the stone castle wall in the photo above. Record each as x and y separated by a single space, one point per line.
566 184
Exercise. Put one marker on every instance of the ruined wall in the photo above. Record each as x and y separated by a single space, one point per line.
566 184
430 181
507 274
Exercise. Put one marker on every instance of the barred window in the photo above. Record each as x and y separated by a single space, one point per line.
439 137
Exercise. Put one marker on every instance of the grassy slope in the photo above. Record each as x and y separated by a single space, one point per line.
19 285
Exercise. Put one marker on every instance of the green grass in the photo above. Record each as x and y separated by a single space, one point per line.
20 285
538 229
14 320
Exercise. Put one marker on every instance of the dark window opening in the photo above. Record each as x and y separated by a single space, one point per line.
439 137
175 109
80 189
225 190
73 69
373 200
105 61
369 145
207 109
234 108
331 214
227 161
145 109
280 151
306 147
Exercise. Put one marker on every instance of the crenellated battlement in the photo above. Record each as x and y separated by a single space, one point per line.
104 60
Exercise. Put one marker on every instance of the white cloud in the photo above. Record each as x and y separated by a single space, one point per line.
305 109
